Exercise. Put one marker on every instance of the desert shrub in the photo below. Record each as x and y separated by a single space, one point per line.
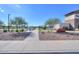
44 27
12 30
17 30
4 30
21 30
49 31
66 28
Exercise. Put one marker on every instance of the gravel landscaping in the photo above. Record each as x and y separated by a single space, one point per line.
14 35
58 36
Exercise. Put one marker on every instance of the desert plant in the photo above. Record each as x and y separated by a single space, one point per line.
12 30
4 30
21 30
17 30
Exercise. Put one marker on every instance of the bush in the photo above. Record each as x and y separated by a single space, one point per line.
17 30
49 30
66 28
12 30
21 30
44 27
4 30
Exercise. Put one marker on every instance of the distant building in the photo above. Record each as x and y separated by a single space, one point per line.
73 19
62 25
49 27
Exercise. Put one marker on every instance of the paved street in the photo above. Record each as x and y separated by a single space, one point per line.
32 44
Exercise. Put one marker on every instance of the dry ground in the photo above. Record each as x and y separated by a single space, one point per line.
14 35
32 44
58 36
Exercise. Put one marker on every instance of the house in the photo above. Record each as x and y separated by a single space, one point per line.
50 27
73 19
62 25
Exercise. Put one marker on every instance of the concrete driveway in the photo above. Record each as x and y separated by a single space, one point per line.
32 44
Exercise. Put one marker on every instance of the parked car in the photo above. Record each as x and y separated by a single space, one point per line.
60 30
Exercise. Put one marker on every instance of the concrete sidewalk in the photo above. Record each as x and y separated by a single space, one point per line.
32 44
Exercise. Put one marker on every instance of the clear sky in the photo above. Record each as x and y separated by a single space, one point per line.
36 14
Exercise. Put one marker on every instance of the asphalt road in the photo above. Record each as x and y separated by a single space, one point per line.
32 44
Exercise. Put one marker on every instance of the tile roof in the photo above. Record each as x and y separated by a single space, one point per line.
73 12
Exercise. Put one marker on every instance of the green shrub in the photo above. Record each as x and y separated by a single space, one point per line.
49 31
4 30
21 30
17 30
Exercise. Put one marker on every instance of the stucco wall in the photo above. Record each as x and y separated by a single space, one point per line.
76 23
71 20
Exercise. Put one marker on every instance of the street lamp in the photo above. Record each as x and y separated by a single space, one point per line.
8 21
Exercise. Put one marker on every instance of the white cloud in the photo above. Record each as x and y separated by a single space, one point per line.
1 10
17 6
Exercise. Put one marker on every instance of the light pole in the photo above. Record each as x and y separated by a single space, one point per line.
8 21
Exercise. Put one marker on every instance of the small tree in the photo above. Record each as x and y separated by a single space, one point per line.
18 22
1 24
51 22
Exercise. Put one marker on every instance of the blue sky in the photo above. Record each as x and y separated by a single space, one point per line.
36 14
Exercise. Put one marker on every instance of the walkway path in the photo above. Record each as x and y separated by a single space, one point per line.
32 44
